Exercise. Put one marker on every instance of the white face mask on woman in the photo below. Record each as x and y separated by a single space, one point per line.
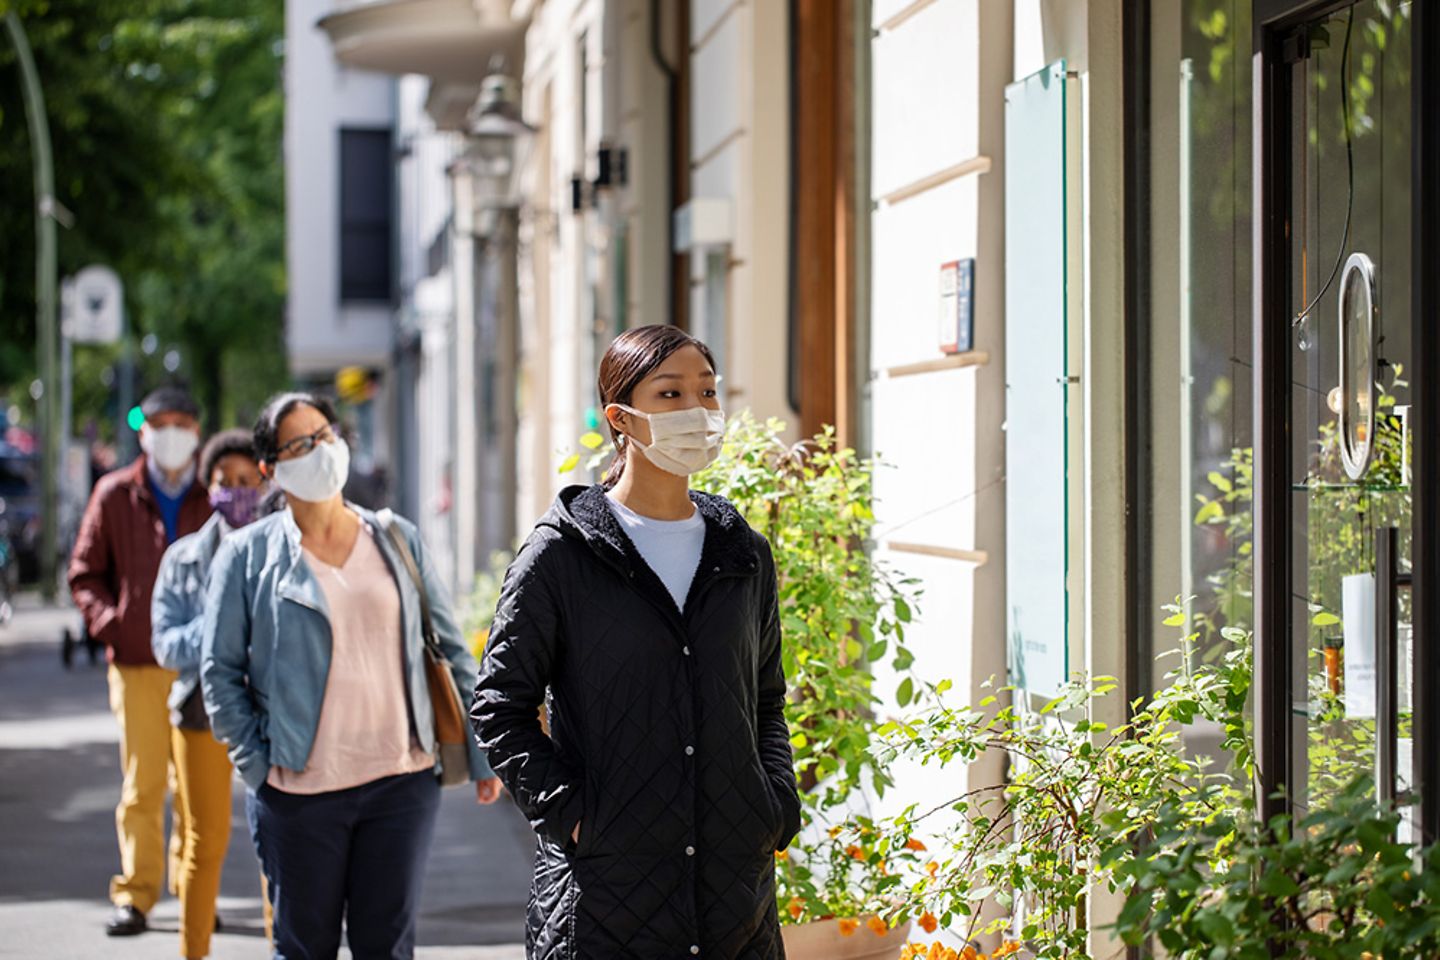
682 442
318 475
170 447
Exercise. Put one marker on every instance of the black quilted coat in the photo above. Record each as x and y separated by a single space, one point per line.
667 738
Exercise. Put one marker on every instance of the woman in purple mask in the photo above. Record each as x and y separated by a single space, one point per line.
229 469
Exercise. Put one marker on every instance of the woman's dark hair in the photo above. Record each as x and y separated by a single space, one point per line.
277 408
632 357
238 441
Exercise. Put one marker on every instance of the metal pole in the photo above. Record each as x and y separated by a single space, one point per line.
45 288
125 381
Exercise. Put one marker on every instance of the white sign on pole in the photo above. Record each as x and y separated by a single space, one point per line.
94 302
1358 609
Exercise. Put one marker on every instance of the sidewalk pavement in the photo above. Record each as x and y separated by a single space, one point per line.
60 780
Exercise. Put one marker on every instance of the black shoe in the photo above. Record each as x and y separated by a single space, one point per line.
126 921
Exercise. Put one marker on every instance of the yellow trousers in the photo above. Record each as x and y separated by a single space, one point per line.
138 699
203 772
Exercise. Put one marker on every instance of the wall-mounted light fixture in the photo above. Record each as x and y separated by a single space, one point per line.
612 169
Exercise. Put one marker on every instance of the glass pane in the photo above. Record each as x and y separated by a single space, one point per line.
1200 330
1358 71
1036 331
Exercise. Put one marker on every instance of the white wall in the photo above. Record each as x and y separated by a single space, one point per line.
937 92
739 151
427 311
571 286
556 311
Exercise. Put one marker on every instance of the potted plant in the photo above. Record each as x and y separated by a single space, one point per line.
1324 886
842 610
1078 798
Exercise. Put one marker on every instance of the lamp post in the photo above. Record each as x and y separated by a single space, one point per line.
497 150
48 401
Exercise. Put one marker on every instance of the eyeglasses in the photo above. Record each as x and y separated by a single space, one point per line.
300 446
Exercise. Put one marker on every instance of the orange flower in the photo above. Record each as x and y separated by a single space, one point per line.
877 926
782 855
970 953
848 926
1010 947
916 845
854 852
937 952
932 868
834 832
928 923
796 907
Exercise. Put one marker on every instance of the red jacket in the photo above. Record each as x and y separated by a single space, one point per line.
117 556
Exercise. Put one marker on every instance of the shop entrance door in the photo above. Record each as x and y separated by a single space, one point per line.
1347 368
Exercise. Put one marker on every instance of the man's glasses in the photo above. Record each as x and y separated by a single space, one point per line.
300 446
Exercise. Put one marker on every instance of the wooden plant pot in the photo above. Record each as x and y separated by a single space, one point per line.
822 940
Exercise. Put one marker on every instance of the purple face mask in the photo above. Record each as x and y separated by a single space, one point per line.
237 504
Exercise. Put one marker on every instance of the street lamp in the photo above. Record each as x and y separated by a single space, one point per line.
498 145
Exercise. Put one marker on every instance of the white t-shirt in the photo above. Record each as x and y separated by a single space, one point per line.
671 547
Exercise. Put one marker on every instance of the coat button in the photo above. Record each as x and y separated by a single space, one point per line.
694 950
689 751
689 851
717 570
686 651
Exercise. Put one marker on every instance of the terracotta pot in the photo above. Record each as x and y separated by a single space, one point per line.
822 940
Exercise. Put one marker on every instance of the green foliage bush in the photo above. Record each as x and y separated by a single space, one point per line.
842 611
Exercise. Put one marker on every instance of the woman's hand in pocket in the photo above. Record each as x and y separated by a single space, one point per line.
487 791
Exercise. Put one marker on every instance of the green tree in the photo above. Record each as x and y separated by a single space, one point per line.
166 117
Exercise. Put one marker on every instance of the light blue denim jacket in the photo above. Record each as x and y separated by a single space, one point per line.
177 604
266 645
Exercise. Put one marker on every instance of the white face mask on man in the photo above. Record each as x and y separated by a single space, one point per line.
170 447
318 475
682 442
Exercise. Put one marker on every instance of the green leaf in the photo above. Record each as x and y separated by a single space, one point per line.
1325 619
902 610
1211 511
591 440
905 692
570 463
1175 620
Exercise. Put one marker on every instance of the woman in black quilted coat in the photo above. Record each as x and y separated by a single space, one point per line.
643 616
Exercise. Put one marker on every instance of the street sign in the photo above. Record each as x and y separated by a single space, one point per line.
93 306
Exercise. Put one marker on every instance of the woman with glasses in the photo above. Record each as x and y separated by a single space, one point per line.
313 674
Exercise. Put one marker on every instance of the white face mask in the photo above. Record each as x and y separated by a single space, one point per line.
317 476
170 447
682 442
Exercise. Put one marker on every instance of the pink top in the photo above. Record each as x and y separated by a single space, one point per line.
364 728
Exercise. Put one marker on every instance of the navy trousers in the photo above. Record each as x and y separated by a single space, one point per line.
356 855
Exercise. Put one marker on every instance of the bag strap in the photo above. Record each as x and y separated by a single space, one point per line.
397 539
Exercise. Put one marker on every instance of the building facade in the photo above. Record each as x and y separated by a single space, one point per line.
1073 270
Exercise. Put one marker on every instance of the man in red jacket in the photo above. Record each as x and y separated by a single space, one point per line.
133 515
